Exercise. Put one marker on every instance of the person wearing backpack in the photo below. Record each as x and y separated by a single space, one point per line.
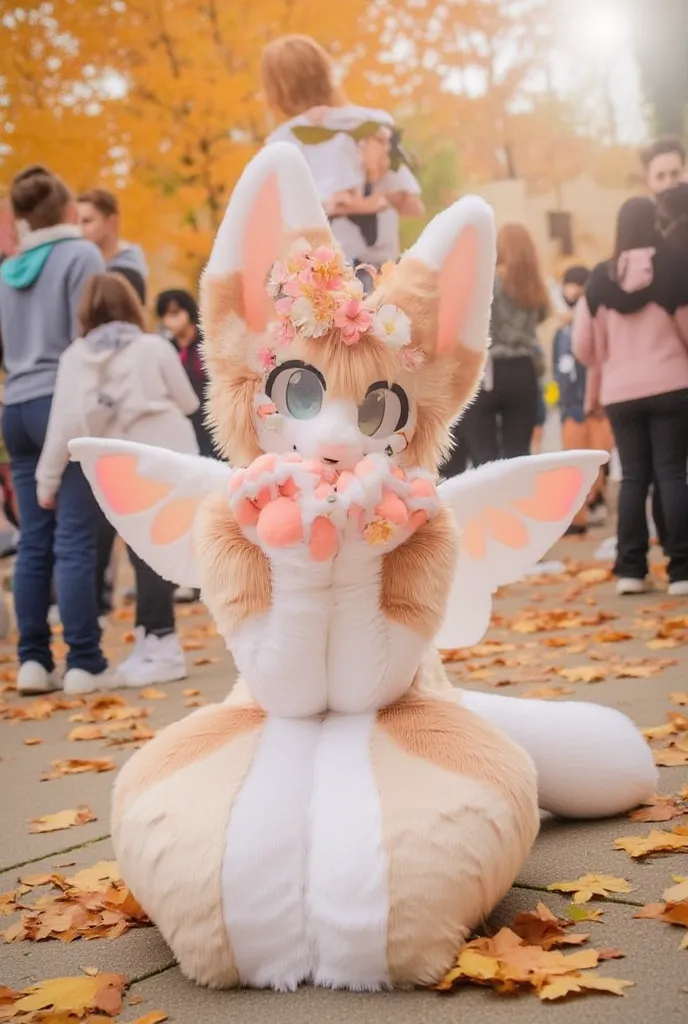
118 381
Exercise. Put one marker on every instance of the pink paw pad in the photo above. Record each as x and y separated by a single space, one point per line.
421 488
418 518
246 513
324 542
263 464
280 524
289 489
392 509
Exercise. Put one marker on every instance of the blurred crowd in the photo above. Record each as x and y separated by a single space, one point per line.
86 352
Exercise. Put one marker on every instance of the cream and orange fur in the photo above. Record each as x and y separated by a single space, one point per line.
343 818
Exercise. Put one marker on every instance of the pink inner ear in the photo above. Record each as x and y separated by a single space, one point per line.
261 247
457 284
173 521
555 493
125 490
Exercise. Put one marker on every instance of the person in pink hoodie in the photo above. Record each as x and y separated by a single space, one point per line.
631 328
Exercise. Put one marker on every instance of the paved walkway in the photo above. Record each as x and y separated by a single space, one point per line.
563 851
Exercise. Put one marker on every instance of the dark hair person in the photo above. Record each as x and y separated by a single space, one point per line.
664 162
501 421
40 290
178 313
632 327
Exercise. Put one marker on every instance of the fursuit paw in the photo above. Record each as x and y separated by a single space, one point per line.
386 504
288 502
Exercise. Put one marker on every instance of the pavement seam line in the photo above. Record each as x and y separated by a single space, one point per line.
55 853
152 974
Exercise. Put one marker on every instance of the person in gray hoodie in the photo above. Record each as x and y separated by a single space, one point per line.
40 288
99 222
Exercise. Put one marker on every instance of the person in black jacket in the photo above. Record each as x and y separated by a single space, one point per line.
178 313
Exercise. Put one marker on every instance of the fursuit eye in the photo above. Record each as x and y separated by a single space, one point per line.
384 410
296 389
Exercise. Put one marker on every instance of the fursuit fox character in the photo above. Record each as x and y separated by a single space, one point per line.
345 817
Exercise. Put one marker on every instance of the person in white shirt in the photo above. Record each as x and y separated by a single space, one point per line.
361 173
118 381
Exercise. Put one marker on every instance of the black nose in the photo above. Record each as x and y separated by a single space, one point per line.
331 462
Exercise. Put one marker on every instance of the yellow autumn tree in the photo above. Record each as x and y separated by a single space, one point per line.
160 99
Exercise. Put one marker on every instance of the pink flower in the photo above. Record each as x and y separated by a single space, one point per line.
284 332
353 320
283 306
266 358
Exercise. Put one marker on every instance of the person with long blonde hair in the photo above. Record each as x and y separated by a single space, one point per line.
500 423
361 172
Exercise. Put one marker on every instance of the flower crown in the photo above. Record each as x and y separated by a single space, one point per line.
315 292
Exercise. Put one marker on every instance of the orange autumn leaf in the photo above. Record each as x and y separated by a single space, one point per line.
679 698
153 693
78 765
85 732
583 674
657 841
154 1017
78 995
62 820
32 741
660 808
588 886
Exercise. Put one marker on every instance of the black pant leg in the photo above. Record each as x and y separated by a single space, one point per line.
517 387
479 429
154 599
630 423
668 421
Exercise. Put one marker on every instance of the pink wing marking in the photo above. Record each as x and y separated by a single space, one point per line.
555 493
173 521
126 491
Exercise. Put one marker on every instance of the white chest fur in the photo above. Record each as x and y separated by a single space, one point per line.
304 874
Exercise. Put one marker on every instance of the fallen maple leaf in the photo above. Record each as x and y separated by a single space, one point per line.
587 886
86 732
93 903
546 692
578 913
63 819
540 927
611 636
8 903
583 674
77 765
507 963
76 996
154 1017
191 693
673 756
32 741
659 808
153 693
679 698
577 983
658 841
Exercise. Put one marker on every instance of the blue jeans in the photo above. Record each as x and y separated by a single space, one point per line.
60 540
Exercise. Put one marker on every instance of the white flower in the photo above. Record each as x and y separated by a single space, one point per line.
393 326
305 316
278 275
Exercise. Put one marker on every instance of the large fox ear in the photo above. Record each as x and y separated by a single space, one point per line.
274 202
444 284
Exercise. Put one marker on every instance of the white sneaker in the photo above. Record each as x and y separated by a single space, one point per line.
627 585
78 680
33 678
155 659
678 589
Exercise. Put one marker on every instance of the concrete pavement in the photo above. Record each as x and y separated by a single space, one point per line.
564 850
